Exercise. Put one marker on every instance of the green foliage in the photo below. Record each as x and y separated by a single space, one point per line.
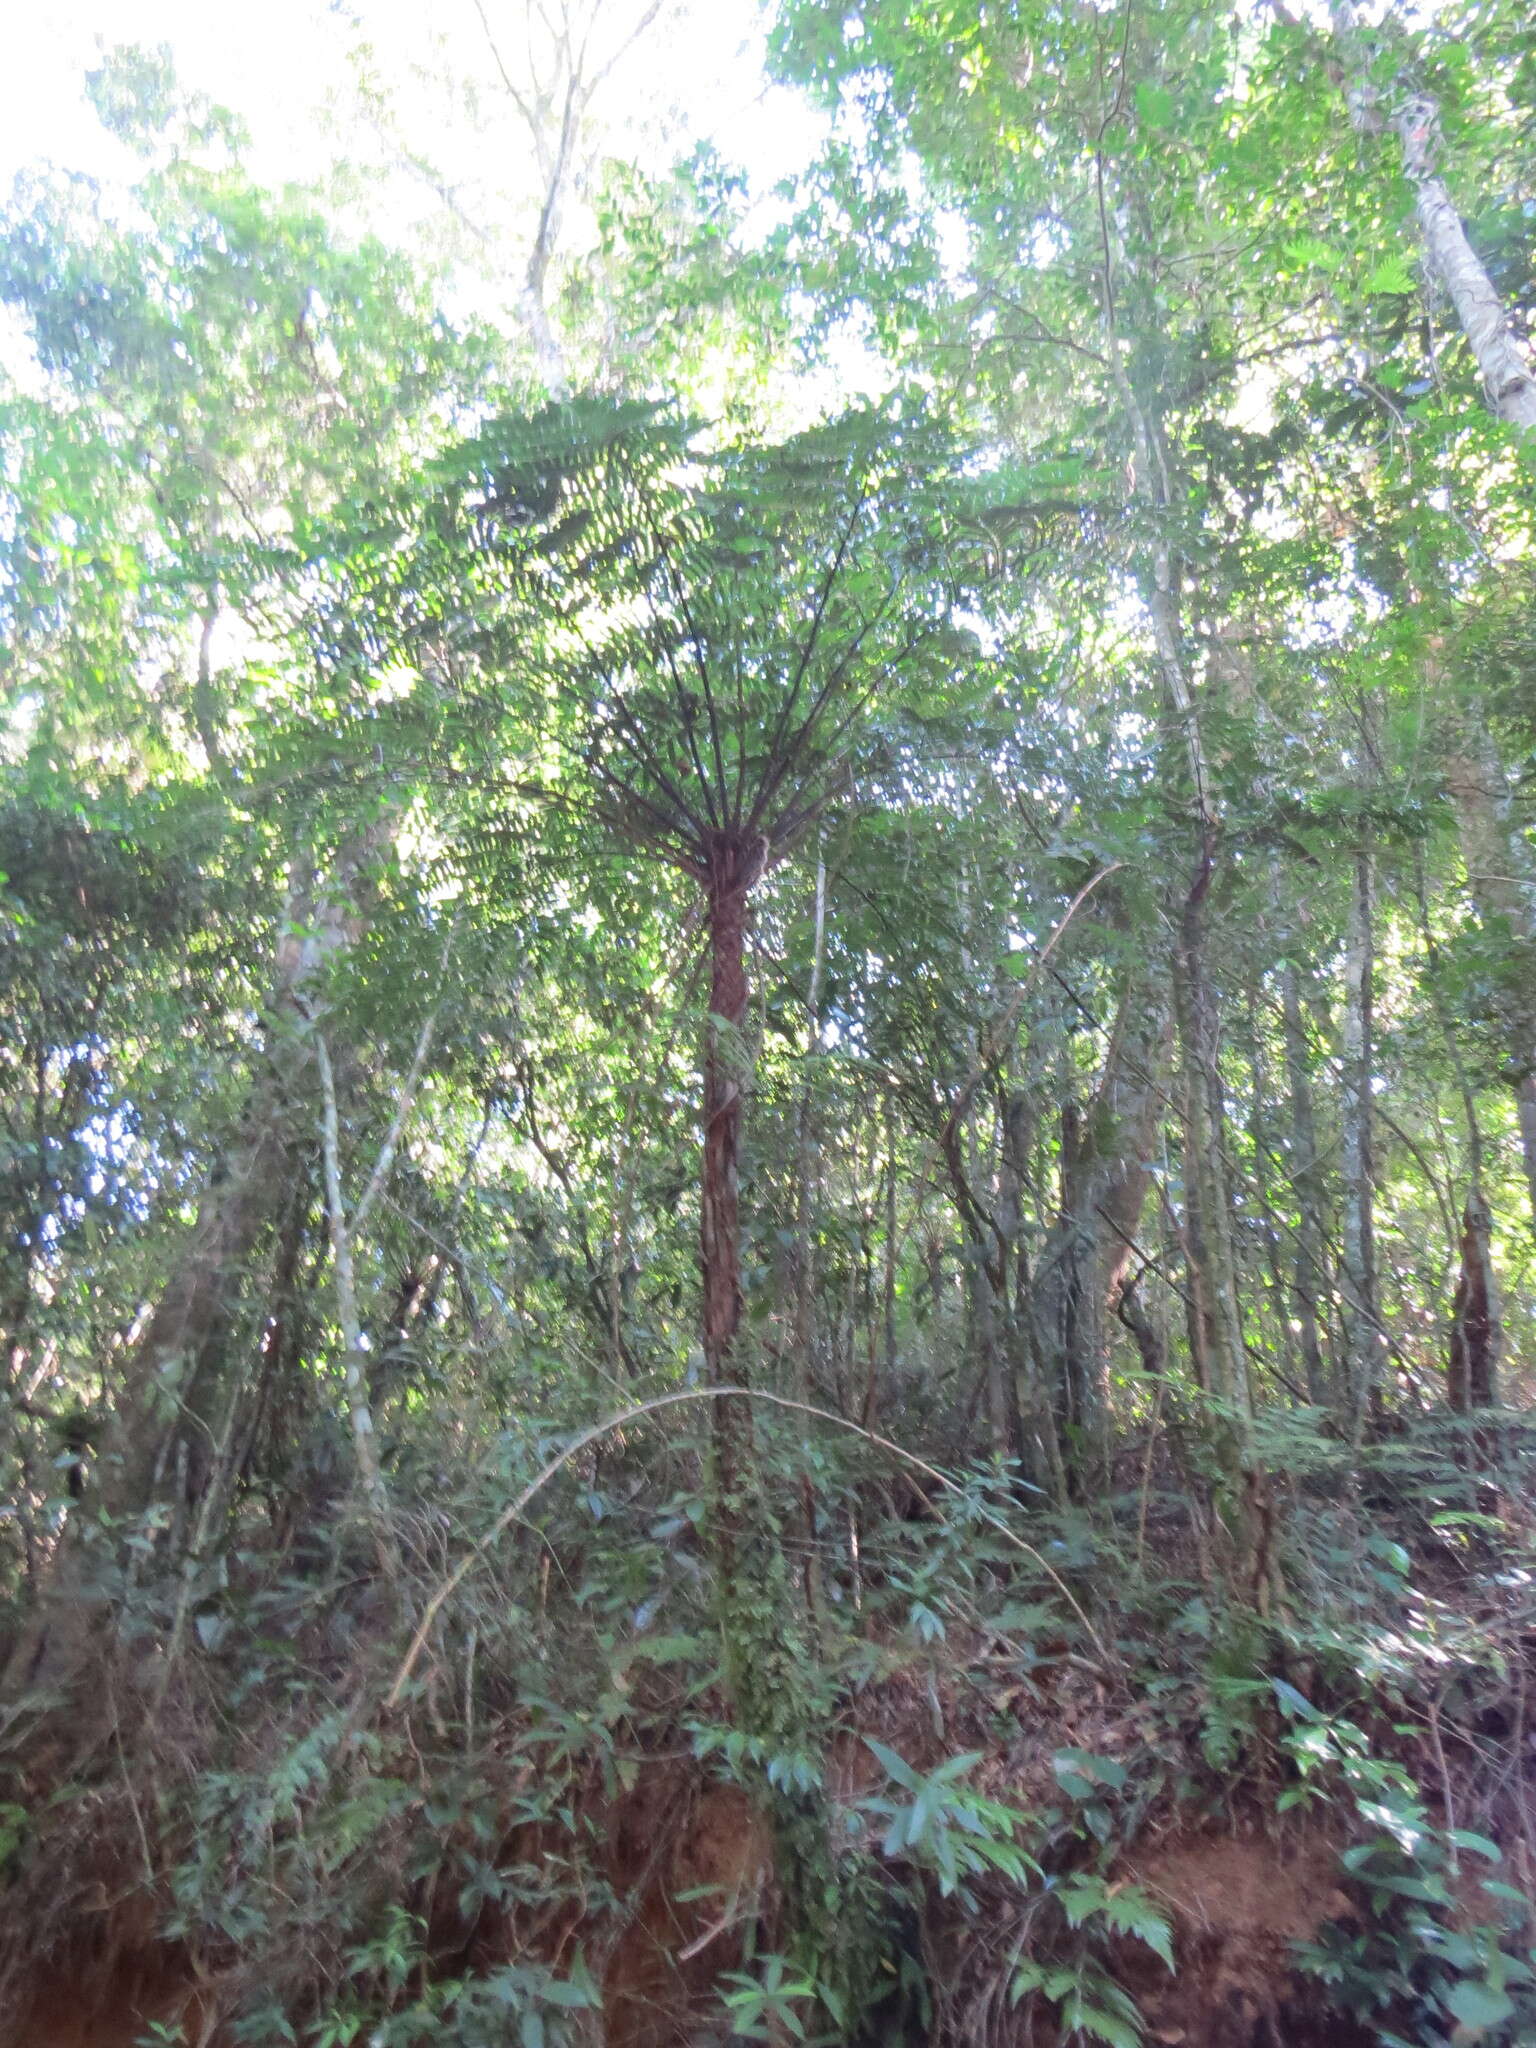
1046 708
766 2006
945 1826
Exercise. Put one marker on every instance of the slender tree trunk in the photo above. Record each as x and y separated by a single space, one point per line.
1362 1309
1454 263
888 1277
986 1262
766 1654
1033 1416
806 1157
245 1190
1477 1331
1472 1369
1448 253
1308 1279
1260 1095
1207 1190
365 1448
1503 890
1215 1316
719 1190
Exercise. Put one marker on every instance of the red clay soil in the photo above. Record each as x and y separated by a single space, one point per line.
688 1855
114 2011
694 1887
1236 1906
692 1861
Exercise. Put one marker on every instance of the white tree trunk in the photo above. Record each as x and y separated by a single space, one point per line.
1362 1316
1455 265
1502 885
1451 260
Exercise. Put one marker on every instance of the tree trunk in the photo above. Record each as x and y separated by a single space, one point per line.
806 1158
1448 254
1215 1317
1031 1372
1454 263
1261 1148
1472 1369
166 1380
245 1190
988 1253
1503 891
1221 1359
889 1251
807 1161
1362 1313
1308 1276
365 1448
719 1191
1105 1174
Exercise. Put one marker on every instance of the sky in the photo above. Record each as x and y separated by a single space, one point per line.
281 64
290 69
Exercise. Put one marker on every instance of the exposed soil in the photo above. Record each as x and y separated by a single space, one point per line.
1236 1906
693 1886
691 1860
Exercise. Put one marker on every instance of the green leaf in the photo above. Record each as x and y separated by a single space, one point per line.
1393 278
1132 1912
1307 251
1480 1845
1476 2006
1084 1896
1154 105
1078 1766
956 1767
572 1997
1078 2017
1296 1704
896 1766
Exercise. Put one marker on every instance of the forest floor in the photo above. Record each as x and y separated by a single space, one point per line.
1314 1831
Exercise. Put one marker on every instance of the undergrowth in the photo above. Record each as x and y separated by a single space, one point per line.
1002 1741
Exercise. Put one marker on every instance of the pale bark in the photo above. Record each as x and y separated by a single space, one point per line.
319 924
553 99
1454 263
1448 253
1308 1272
158 1419
1473 1367
1362 1314
1219 1354
890 1251
1502 883
1105 1175
365 1448
1261 1149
